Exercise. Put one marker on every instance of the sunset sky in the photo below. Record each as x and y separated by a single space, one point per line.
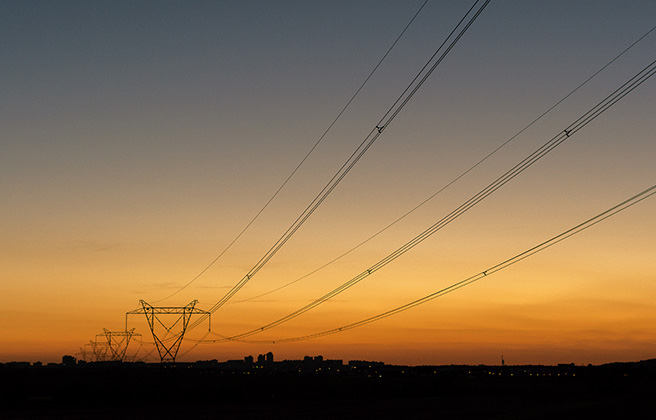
139 138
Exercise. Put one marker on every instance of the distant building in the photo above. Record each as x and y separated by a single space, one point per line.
364 364
68 360
248 360
207 364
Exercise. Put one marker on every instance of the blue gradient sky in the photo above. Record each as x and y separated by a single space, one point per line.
139 138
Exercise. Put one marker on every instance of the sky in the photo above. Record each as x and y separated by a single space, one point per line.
138 139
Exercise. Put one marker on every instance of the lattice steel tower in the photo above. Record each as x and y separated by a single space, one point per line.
168 352
117 343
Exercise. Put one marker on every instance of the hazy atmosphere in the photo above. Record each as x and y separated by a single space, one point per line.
140 138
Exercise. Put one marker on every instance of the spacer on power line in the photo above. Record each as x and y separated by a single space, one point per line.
567 132
380 128
163 333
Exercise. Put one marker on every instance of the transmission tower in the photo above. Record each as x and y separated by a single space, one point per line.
117 343
82 355
163 333
99 350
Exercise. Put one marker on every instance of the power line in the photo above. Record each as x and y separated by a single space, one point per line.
472 279
373 135
485 273
454 180
542 151
275 194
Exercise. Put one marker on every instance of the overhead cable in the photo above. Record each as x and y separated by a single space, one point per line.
486 273
449 184
275 194
542 151
455 35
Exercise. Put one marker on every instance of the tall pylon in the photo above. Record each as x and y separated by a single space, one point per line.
168 353
117 343
99 350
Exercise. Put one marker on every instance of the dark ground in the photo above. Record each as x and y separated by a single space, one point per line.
124 391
